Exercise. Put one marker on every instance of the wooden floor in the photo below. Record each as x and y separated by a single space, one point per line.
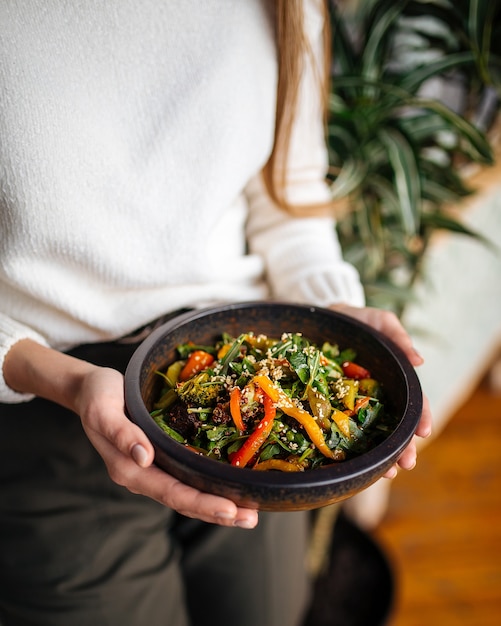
442 531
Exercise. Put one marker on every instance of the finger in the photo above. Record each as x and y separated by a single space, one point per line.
406 461
102 411
168 491
387 323
211 508
124 436
165 489
425 425
408 457
391 473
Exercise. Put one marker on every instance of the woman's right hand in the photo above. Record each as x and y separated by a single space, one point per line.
128 455
96 394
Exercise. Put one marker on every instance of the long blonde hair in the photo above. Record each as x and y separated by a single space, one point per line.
293 49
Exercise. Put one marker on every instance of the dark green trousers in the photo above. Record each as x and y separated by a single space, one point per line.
78 550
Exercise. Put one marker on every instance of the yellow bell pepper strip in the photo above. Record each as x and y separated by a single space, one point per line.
351 387
235 412
256 439
197 361
278 464
342 420
223 351
284 403
320 407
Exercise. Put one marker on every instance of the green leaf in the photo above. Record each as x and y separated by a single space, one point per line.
376 42
437 193
477 144
407 180
166 428
232 353
385 191
299 363
343 53
424 126
412 81
349 178
480 17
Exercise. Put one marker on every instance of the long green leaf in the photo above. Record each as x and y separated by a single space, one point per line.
407 181
349 178
383 189
437 193
343 53
412 81
423 126
376 42
478 145
363 237
480 22
343 140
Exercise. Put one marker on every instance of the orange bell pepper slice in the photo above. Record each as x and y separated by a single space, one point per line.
342 420
235 412
284 403
197 361
278 464
256 439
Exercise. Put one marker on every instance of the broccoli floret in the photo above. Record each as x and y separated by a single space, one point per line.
200 390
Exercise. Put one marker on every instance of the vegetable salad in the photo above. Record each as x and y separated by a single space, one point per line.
271 404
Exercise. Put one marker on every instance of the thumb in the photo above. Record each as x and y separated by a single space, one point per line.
104 419
141 455
129 439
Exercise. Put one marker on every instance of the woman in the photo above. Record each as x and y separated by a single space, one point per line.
155 156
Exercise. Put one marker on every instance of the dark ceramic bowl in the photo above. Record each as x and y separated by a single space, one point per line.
274 490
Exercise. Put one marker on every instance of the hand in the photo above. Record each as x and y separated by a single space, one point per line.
128 454
389 324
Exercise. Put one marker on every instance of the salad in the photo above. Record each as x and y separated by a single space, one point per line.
271 404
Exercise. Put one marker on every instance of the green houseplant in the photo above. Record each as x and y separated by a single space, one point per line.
395 153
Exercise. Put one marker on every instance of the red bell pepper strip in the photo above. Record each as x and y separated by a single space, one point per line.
256 439
284 403
197 361
235 412
361 403
353 370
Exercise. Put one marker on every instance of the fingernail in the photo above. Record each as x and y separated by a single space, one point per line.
427 432
411 465
244 523
139 455
419 356
391 473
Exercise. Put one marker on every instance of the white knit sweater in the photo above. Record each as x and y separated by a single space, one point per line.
132 135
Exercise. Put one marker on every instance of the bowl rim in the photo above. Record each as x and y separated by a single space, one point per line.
370 461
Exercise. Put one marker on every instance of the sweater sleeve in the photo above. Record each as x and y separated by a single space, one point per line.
302 255
10 333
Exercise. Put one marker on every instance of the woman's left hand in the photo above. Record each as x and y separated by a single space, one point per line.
388 323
